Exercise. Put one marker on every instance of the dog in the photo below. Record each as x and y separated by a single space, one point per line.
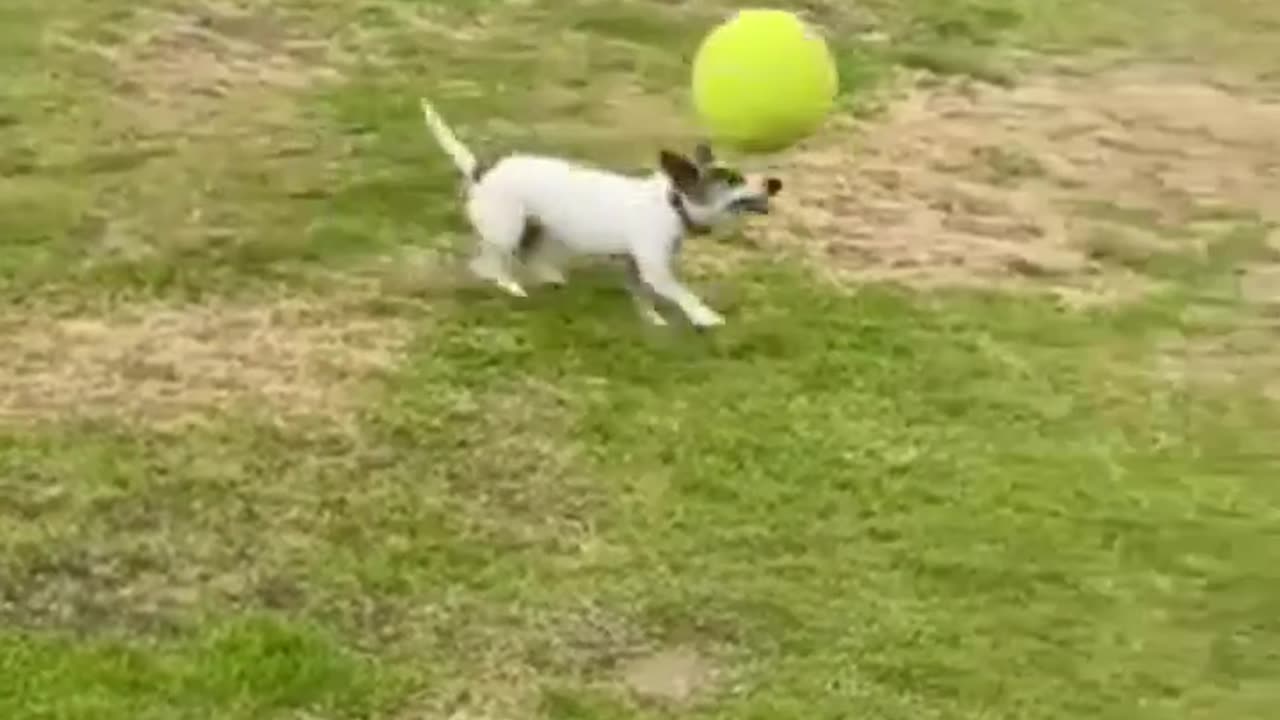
543 211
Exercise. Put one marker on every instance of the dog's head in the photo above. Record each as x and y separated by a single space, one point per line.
712 192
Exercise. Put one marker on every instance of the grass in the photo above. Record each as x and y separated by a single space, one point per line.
879 503
250 667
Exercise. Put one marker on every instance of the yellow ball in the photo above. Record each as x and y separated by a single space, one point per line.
763 80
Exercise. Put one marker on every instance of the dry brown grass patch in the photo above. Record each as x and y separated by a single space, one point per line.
174 365
195 143
1243 357
1241 347
502 665
969 184
180 71
1260 286
619 121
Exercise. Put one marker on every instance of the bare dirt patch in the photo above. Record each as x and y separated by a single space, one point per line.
970 184
675 675
174 365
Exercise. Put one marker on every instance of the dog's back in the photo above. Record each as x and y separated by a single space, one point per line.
588 209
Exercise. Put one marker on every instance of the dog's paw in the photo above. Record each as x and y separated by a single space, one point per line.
654 318
512 288
707 319
547 275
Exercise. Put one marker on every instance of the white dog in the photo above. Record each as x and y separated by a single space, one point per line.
544 210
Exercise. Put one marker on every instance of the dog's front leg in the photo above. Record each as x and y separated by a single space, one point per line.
641 295
655 272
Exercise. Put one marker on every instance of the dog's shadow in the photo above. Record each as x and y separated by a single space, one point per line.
594 302
590 329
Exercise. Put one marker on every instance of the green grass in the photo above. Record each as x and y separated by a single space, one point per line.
250 667
873 503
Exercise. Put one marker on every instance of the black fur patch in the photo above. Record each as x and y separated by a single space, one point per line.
690 227
530 238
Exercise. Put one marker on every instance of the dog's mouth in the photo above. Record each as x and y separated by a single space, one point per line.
757 205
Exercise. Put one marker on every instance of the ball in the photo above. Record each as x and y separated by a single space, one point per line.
762 80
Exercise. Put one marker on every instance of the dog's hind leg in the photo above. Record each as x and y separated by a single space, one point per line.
544 256
500 227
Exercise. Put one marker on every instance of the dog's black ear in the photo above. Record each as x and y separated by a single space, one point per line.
772 186
683 173
704 155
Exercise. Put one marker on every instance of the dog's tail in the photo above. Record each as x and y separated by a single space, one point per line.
462 157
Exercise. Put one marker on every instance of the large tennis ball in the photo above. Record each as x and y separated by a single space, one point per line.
762 80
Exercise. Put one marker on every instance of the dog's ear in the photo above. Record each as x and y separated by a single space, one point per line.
704 155
772 186
682 172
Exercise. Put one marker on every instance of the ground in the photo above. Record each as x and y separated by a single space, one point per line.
989 434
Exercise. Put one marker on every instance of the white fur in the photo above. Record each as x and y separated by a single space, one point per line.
580 211
462 157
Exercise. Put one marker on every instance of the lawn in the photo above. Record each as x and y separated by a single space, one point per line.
261 457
